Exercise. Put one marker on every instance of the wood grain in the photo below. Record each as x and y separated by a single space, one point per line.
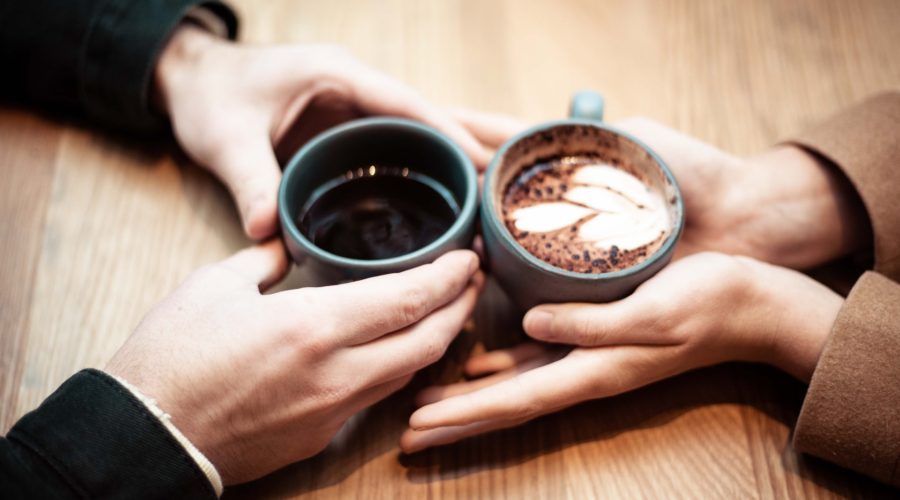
96 228
28 147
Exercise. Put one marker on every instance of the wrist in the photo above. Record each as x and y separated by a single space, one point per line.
795 315
202 462
797 209
178 60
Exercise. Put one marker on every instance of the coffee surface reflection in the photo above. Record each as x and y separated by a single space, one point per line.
377 212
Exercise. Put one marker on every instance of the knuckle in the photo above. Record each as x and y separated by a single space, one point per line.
312 344
528 404
306 329
671 330
583 328
413 305
730 271
683 335
663 319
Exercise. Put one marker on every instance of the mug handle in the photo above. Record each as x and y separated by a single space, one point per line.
587 105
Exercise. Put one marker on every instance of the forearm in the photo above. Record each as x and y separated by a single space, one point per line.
789 317
90 56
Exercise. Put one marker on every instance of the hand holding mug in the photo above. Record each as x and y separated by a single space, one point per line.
784 206
576 210
701 310
229 103
256 381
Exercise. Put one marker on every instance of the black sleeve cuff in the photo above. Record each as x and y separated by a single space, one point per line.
103 442
120 53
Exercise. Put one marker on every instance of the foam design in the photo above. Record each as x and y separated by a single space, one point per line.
610 207
546 217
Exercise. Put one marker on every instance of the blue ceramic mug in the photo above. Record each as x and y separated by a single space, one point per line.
374 141
528 280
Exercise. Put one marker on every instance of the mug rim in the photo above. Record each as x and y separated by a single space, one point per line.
506 238
466 213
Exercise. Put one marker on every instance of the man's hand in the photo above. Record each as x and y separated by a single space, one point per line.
230 103
701 310
259 381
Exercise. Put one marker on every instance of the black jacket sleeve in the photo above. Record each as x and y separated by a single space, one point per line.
92 56
93 439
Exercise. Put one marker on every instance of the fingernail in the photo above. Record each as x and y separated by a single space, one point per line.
537 321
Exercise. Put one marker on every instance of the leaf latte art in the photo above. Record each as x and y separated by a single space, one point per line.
584 215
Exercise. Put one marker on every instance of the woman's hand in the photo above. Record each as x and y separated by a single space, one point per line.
701 310
230 103
259 381
784 206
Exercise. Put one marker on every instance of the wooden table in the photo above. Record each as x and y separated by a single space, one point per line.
97 228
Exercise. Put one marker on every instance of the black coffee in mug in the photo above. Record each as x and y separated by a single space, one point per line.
377 212
411 196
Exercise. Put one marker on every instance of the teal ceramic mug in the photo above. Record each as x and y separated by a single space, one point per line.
357 146
528 280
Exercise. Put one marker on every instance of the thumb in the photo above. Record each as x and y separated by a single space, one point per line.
250 171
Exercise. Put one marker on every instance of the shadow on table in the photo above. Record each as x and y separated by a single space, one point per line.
761 389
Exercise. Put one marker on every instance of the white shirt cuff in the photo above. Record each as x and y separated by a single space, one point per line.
202 462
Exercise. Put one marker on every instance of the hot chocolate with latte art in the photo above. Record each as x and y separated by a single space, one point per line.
583 214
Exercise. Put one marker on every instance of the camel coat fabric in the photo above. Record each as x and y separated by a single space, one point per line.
851 414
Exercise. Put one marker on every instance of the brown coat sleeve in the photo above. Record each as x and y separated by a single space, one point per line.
864 142
851 415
